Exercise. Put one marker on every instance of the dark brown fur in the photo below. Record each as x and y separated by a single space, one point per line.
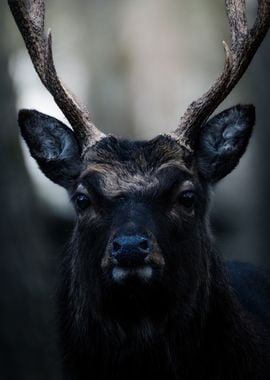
143 293
180 314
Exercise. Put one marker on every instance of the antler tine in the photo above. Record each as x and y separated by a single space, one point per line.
262 18
29 16
244 44
198 111
236 13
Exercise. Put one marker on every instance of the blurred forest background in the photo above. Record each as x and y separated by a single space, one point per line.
137 65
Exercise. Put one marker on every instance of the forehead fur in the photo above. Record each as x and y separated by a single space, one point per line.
124 165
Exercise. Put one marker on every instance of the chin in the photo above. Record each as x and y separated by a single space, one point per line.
142 274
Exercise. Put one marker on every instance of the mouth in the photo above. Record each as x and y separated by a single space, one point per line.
132 259
143 273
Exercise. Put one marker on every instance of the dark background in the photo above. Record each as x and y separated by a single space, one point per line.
137 65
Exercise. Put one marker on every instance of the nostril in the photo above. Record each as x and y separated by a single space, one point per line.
130 249
116 246
144 245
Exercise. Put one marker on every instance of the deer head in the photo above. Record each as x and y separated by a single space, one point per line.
141 206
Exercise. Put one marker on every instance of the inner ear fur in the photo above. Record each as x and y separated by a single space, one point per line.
53 145
223 141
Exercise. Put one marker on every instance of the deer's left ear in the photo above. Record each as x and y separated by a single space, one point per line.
223 141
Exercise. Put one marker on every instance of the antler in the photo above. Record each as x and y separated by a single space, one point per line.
244 44
29 16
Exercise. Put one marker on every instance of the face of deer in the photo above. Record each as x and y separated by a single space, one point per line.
141 206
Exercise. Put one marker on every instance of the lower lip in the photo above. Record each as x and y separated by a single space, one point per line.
144 273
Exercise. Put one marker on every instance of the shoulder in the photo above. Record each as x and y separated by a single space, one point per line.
252 287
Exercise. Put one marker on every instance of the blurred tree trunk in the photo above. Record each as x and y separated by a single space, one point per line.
261 86
25 278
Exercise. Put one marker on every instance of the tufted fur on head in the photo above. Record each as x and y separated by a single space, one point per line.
222 142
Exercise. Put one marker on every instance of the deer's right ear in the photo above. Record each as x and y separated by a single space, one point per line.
223 141
53 145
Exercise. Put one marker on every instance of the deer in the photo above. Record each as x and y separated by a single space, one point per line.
144 293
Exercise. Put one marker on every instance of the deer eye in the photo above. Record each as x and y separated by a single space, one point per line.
82 201
187 199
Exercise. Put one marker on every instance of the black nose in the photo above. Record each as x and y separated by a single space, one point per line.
130 250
